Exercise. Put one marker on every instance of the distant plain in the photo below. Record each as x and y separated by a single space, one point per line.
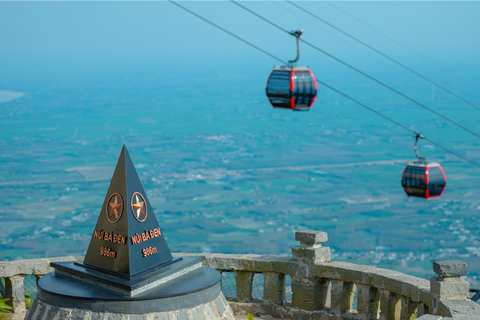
225 172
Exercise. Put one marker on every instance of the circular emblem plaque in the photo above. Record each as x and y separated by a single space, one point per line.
139 207
114 207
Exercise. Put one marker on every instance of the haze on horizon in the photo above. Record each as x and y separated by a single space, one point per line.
56 37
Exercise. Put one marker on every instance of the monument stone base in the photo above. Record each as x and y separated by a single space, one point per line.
214 310
195 295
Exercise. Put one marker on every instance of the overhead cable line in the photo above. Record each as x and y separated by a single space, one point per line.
370 54
226 31
361 72
392 39
333 89
395 122
384 55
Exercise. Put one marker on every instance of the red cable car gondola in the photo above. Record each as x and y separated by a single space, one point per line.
423 179
292 87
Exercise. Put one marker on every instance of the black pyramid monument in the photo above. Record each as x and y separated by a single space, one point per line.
127 239
128 270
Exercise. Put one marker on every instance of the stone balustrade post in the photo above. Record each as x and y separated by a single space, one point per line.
274 287
348 296
448 285
409 309
384 303
368 302
336 296
421 309
324 298
243 283
15 293
307 291
342 296
310 250
394 307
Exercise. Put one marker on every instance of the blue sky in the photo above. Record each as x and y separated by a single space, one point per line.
160 35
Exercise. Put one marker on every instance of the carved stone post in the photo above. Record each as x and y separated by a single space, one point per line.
243 282
421 309
348 296
325 297
337 296
368 302
306 289
274 287
15 292
395 307
310 250
411 310
448 285
384 303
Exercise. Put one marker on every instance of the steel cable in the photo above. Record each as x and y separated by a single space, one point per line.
226 31
384 55
361 72
331 88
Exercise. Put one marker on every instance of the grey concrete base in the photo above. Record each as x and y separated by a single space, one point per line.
217 309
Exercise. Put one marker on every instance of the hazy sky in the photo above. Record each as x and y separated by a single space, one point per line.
160 35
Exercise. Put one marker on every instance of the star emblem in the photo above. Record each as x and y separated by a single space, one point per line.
114 207
139 207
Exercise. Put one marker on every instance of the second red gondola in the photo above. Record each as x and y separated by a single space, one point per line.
423 179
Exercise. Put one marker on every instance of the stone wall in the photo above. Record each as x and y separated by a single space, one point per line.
321 289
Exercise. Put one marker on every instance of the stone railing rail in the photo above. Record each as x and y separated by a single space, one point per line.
321 289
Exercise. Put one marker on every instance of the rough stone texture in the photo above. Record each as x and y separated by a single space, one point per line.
274 287
452 308
409 309
384 303
32 266
243 282
394 307
368 302
310 237
305 295
421 310
311 284
221 308
449 288
337 305
450 268
14 292
429 317
208 311
311 254
77 314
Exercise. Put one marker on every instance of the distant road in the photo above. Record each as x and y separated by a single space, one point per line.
313 167
236 171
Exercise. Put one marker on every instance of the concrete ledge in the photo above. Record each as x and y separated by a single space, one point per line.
32 266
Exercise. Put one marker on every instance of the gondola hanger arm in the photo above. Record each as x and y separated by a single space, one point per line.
297 34
416 136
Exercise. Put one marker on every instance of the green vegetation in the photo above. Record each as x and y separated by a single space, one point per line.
4 308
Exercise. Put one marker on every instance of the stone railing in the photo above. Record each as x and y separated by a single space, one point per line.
321 289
